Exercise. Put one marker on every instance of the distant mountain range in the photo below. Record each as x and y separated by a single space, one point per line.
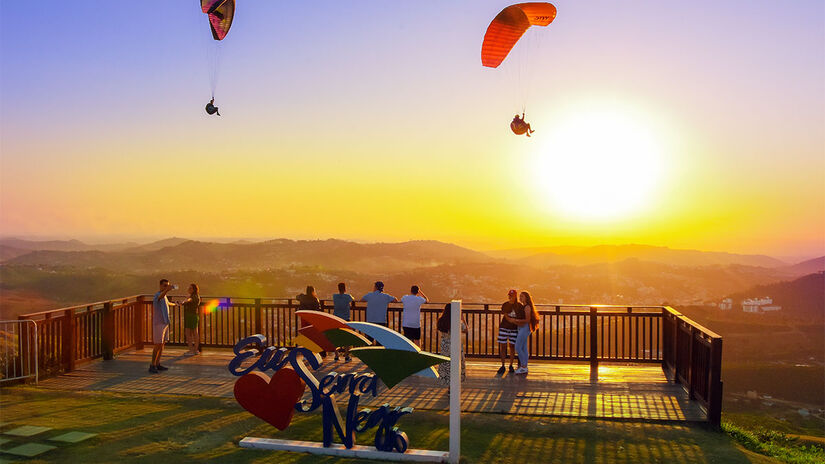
179 253
281 253
60 245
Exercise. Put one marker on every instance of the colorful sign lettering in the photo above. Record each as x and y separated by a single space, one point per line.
275 399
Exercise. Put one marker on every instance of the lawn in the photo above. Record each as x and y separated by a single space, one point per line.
143 428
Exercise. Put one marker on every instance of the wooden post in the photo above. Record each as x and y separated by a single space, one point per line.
259 312
69 340
108 331
455 381
594 346
138 322
715 383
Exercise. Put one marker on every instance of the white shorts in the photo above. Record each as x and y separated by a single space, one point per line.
160 333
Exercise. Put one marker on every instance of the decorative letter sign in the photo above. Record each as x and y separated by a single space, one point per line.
276 399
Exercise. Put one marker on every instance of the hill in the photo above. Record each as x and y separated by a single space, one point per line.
803 297
274 254
157 245
59 245
808 267
9 252
615 253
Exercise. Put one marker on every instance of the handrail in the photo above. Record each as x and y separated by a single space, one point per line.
80 306
542 307
710 334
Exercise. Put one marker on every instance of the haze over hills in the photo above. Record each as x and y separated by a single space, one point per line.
447 270
579 256
60 245
314 251
808 267
280 253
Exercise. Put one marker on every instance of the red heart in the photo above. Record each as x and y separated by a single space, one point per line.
271 400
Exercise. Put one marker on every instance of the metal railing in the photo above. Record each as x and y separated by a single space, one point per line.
18 354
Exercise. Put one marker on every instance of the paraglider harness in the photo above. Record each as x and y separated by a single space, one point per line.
211 108
520 127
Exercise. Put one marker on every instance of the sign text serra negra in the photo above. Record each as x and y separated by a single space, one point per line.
276 399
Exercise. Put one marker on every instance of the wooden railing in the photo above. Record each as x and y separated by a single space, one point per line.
693 357
689 353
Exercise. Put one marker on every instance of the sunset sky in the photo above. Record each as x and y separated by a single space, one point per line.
691 125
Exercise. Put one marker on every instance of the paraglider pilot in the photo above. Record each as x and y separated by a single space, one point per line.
212 109
518 126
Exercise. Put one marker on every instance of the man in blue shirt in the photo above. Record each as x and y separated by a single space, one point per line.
341 303
160 324
377 302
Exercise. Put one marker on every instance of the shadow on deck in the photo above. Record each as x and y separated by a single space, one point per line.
633 392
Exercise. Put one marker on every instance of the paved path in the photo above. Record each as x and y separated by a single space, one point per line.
551 389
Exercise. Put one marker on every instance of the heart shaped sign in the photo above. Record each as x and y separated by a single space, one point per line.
272 400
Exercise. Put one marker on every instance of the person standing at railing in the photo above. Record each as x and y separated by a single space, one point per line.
378 304
527 324
308 302
191 318
341 304
443 325
411 317
160 324
507 331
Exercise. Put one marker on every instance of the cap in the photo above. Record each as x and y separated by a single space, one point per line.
512 292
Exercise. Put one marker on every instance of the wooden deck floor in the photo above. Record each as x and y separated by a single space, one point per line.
638 392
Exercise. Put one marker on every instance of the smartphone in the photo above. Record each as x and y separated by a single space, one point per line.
175 287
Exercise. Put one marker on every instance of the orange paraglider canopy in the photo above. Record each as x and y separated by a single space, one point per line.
508 27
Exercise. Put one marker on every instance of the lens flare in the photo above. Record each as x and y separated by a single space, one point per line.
211 306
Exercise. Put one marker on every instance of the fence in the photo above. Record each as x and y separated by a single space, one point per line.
689 353
18 354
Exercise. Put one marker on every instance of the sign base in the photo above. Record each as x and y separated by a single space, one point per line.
366 452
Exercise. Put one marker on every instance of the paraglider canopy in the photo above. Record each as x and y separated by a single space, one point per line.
220 14
508 27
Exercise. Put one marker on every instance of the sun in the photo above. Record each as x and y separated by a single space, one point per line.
600 163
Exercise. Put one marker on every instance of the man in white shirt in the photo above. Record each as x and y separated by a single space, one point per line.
411 318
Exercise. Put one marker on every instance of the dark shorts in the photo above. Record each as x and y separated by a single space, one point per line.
507 336
411 333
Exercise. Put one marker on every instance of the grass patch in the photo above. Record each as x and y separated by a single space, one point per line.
787 448
145 428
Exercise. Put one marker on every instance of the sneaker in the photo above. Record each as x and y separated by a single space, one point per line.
153 370
162 368
500 369
336 357
521 370
348 359
511 369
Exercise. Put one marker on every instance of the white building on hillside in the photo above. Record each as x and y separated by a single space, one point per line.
759 305
726 304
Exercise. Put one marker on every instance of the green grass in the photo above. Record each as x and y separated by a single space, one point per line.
787 448
144 428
